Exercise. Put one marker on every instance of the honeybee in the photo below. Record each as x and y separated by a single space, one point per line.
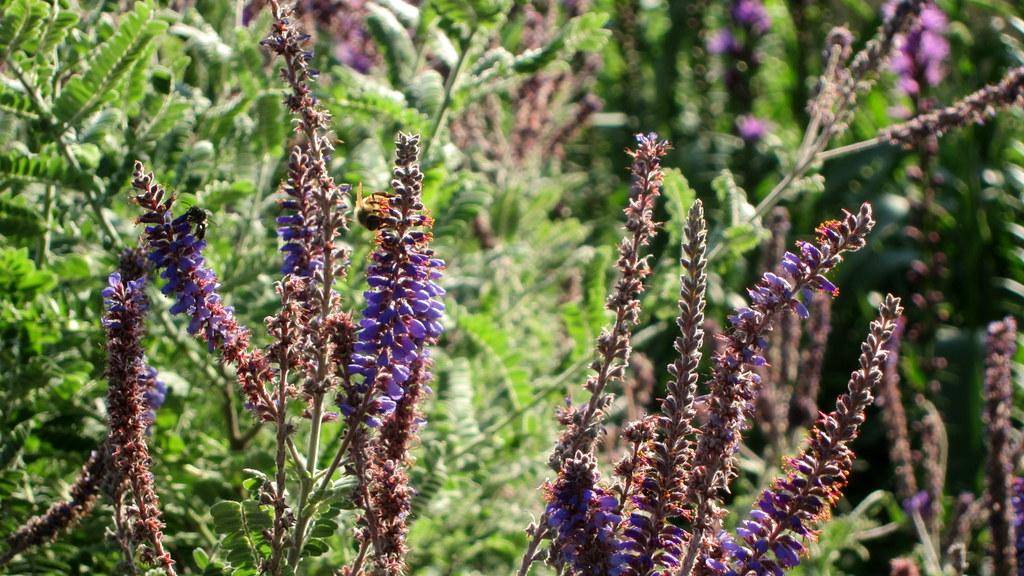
199 218
371 210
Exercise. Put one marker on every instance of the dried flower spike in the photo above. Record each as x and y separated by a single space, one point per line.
973 109
613 347
129 381
62 515
1001 345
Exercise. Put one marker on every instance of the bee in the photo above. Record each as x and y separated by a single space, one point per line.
371 210
199 218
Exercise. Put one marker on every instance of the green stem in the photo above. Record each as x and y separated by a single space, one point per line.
448 87
42 108
43 248
851 148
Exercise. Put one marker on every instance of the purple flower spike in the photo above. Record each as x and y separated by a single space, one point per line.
734 385
174 249
403 302
771 539
582 517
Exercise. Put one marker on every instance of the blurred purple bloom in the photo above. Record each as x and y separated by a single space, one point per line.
922 52
722 42
751 14
751 128
918 502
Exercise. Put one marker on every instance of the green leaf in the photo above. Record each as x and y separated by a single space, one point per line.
364 97
426 92
57 29
467 14
315 547
227 516
113 60
678 199
16 167
20 24
201 558
393 38
16 103
18 219
173 112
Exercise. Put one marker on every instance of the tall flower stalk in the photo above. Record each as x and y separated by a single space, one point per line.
130 380
1000 346
311 321
734 383
613 346
390 359
649 540
583 423
775 533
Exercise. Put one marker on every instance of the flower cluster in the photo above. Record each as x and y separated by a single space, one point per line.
582 517
177 252
921 52
129 382
773 537
734 383
1000 347
648 539
403 307
297 227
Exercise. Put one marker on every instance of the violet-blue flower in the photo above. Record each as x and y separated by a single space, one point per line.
403 307
174 249
582 517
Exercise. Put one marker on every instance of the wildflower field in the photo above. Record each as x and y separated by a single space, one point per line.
510 287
